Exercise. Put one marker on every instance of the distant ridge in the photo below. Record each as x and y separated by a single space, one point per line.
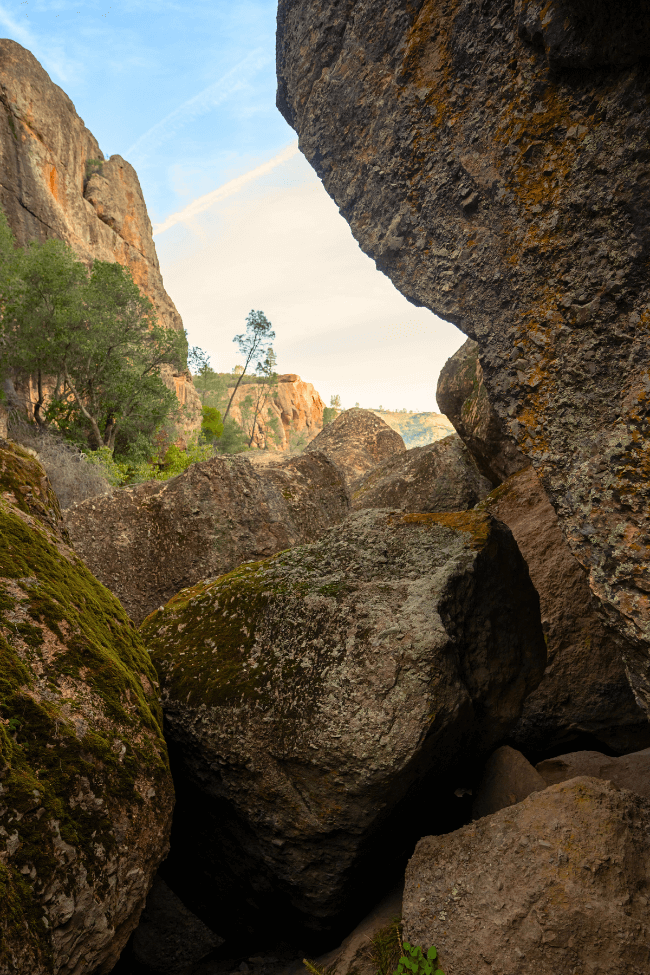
417 429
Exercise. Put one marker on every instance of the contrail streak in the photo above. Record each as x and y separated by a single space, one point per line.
216 93
228 189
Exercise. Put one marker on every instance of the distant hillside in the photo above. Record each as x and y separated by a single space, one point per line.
417 429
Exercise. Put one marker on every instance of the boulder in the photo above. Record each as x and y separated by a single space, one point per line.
462 395
558 883
509 195
147 542
85 791
356 441
317 702
417 429
627 772
508 778
585 695
169 939
439 477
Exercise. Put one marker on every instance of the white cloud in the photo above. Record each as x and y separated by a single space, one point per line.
281 246
216 93
203 203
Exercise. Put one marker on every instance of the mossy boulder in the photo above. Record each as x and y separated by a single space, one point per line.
441 476
320 703
85 789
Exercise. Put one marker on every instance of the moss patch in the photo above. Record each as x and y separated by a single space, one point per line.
78 730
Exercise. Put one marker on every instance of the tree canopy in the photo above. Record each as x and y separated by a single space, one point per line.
89 339
255 341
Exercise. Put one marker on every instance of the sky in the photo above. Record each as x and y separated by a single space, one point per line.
186 93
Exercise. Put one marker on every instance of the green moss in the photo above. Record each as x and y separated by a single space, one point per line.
75 720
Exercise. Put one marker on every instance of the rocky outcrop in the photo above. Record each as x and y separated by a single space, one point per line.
627 772
462 395
585 694
556 883
508 778
509 194
417 429
439 477
356 441
290 414
85 790
55 182
147 542
315 701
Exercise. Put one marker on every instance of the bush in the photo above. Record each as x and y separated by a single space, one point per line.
329 414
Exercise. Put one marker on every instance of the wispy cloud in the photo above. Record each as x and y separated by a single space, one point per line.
216 93
227 189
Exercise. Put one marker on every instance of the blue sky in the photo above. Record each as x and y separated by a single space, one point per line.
186 93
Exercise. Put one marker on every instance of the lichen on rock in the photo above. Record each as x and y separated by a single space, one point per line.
85 789
313 699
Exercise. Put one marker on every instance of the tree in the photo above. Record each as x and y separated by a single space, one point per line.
335 401
198 362
89 338
253 405
251 343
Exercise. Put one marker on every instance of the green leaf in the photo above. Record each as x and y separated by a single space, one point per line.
426 968
438 971
407 946
432 953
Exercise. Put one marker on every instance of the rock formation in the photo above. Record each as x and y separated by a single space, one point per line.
294 405
147 542
55 182
557 883
508 778
585 694
356 441
85 790
439 477
627 772
495 164
417 429
462 395
316 702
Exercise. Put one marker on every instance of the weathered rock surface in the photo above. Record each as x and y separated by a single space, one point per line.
558 883
55 182
294 405
316 701
85 789
627 772
170 939
147 542
439 477
585 692
462 395
356 441
508 778
510 196
417 429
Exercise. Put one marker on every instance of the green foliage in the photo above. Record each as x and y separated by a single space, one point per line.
335 401
90 340
254 341
415 962
385 948
297 440
329 414
177 460
233 439
211 425
94 166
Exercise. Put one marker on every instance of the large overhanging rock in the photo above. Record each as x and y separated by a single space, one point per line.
85 791
148 542
556 883
321 707
511 197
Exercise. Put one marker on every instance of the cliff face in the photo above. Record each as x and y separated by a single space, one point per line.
50 188
294 405
417 429
493 158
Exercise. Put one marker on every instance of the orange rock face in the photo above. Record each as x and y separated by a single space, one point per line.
55 183
294 405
